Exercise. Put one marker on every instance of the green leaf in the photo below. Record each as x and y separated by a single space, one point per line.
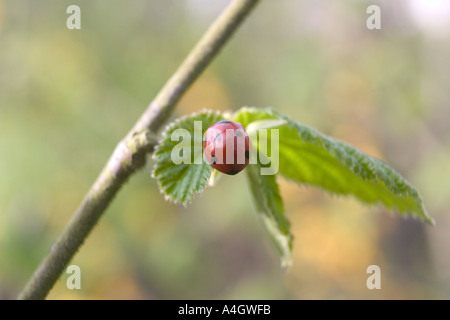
310 157
180 182
269 205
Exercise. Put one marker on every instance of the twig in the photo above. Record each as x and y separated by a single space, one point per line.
130 154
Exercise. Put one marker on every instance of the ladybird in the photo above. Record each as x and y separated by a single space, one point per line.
227 147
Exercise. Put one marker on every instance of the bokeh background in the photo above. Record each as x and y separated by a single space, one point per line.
68 96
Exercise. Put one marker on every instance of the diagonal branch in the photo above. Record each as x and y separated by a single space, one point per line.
130 154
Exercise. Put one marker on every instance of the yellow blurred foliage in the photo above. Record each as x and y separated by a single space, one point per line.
121 288
208 92
143 219
347 91
359 137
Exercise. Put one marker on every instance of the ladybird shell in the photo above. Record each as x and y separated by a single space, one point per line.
227 147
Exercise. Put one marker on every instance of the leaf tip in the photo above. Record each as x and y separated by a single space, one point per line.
429 220
286 263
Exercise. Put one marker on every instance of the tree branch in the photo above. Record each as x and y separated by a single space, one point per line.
130 154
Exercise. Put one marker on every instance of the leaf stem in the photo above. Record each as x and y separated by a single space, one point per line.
130 154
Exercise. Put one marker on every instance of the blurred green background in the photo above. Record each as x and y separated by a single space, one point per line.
68 96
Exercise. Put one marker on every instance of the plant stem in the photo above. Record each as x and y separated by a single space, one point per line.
130 154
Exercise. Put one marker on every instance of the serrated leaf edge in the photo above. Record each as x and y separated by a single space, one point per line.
163 135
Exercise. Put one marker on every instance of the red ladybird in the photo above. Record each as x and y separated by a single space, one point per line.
227 147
